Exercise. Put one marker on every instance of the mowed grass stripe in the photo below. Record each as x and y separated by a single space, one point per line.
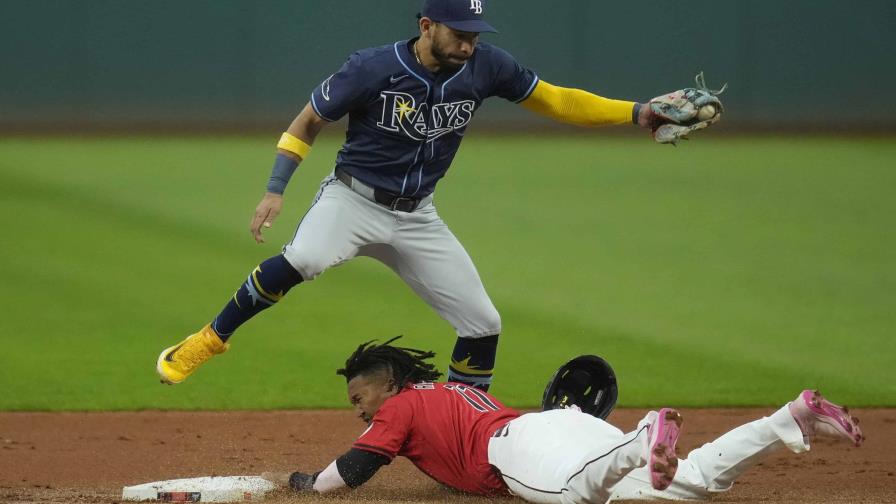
730 271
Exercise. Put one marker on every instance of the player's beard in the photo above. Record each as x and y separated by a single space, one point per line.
446 63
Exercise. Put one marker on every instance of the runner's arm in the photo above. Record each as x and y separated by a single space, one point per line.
352 470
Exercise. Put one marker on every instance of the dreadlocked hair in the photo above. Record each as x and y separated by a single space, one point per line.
406 365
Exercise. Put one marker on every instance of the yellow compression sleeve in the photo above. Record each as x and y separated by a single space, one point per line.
578 107
293 144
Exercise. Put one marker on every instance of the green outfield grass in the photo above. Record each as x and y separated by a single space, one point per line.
728 271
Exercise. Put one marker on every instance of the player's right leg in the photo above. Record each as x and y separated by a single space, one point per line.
337 224
566 456
266 285
716 465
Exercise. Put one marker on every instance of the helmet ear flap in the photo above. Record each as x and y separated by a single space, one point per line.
587 382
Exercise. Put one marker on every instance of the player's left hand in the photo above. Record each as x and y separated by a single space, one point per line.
647 118
301 482
673 116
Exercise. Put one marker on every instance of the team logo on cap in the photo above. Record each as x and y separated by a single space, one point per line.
476 6
401 114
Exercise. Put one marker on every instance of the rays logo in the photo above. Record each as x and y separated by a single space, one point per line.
476 6
401 114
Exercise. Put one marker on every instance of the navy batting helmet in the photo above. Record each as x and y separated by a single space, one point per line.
587 382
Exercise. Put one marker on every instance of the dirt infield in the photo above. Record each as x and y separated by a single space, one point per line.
88 457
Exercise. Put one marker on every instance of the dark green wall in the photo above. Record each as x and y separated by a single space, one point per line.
253 62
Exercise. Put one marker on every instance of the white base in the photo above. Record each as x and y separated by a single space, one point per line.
205 489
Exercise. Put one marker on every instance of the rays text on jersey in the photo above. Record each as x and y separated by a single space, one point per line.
401 114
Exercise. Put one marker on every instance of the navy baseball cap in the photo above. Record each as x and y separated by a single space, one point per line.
461 15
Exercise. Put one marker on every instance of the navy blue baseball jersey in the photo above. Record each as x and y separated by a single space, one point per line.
406 123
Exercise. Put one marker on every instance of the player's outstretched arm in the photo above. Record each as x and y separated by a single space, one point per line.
294 146
351 470
575 106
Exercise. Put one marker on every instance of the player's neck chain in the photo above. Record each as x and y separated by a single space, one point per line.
416 54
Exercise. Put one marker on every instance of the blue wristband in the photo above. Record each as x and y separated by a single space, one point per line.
636 111
284 166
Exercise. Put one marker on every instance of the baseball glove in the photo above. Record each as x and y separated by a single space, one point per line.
678 114
587 383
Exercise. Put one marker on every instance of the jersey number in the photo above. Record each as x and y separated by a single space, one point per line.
474 397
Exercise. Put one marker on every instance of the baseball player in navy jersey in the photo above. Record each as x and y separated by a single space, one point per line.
408 106
466 439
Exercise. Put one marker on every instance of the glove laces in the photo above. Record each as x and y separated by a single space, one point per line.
700 81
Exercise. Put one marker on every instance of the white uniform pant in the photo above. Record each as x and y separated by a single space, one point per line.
565 456
341 224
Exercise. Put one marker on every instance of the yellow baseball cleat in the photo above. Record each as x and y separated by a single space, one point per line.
176 363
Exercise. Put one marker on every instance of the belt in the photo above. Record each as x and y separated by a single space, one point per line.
385 198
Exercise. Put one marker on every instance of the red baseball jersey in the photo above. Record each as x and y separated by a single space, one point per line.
444 429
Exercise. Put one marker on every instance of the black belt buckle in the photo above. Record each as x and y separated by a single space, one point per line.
404 204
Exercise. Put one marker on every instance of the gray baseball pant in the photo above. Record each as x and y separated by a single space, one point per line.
343 223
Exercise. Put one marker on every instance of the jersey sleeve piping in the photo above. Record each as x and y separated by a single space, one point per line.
373 449
529 91
317 110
